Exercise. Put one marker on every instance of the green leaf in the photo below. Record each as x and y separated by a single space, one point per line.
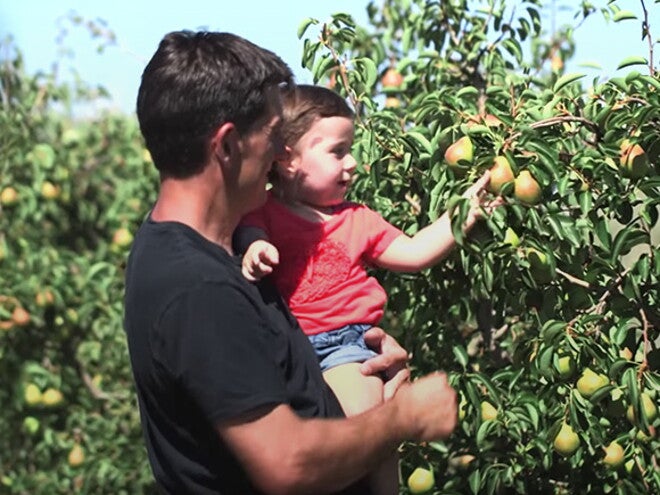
475 481
302 27
321 66
467 91
622 15
369 70
461 355
566 80
513 47
625 240
634 60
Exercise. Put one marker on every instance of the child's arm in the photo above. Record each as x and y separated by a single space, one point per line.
435 241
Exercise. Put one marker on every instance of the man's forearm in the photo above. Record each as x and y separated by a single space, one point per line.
285 454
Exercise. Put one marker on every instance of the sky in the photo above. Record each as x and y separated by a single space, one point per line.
36 26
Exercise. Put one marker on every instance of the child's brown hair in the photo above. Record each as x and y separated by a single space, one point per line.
304 104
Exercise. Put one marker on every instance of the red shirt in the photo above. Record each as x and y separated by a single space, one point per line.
321 273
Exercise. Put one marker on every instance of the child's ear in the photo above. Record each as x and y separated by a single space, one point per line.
285 163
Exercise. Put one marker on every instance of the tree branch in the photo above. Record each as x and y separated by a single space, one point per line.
573 279
646 30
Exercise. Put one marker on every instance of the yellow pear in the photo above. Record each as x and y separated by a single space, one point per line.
392 102
52 397
122 237
590 382
9 196
650 410
511 238
421 480
488 411
76 456
49 190
567 441
613 454
32 394
526 189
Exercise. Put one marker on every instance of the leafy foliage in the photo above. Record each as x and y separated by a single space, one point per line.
73 184
491 315
496 316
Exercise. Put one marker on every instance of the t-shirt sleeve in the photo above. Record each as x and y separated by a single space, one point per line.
217 349
380 233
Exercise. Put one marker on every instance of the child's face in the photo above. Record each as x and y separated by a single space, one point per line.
322 163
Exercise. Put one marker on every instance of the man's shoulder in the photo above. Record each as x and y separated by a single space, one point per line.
169 259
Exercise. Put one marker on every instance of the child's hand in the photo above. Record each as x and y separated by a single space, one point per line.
259 260
479 204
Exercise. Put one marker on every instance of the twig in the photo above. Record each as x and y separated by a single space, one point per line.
414 203
573 279
559 120
597 308
646 29
325 39
645 333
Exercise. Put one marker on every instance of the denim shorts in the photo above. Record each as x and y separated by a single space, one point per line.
341 346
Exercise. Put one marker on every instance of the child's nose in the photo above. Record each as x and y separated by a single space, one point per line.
350 164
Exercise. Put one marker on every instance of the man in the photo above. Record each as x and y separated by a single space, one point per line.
231 396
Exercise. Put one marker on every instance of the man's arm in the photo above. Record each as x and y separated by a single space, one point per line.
285 454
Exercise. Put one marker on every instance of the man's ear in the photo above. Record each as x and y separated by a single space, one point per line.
225 144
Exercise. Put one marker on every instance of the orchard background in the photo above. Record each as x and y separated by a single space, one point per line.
546 288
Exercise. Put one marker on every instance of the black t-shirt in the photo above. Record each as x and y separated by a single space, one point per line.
206 346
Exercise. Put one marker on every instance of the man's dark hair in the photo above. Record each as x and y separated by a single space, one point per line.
194 83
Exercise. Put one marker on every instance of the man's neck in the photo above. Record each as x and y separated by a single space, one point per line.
195 203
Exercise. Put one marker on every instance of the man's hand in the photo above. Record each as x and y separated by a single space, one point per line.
391 361
429 407
259 260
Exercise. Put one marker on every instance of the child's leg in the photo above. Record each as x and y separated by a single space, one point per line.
358 393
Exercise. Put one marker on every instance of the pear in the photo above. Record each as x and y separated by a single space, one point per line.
526 189
76 456
488 411
32 394
392 78
500 174
539 266
421 480
460 153
511 238
633 160
613 454
565 366
590 382
9 196
52 397
650 410
567 441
